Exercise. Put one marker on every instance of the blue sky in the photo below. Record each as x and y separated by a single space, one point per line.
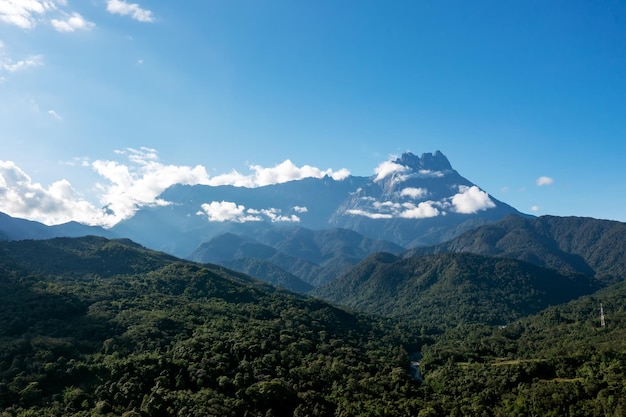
110 101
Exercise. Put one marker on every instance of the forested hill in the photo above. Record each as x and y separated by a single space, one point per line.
589 246
124 331
96 327
560 362
448 289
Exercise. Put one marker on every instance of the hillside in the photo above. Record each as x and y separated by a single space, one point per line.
268 272
312 256
12 228
91 326
558 362
122 330
448 289
584 245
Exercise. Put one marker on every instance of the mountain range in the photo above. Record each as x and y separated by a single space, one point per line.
411 201
499 307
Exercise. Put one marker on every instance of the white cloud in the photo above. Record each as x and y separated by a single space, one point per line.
423 210
389 209
534 209
59 203
468 200
139 183
25 13
8 65
427 173
388 168
275 216
284 172
55 115
414 193
371 215
401 172
228 211
541 181
223 211
471 200
129 185
72 22
133 9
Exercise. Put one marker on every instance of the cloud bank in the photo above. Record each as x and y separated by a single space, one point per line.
58 203
228 211
283 172
136 181
467 200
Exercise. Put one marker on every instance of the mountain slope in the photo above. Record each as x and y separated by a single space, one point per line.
134 332
268 272
12 228
589 246
410 201
444 290
313 256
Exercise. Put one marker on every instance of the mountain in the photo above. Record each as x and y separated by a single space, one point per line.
448 289
410 201
584 245
268 272
12 228
90 326
314 256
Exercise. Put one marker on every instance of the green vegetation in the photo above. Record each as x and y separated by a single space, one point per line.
569 244
137 331
450 289
96 327
557 363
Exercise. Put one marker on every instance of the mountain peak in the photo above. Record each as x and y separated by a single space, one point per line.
428 161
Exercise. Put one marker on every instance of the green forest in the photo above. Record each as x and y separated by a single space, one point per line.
97 327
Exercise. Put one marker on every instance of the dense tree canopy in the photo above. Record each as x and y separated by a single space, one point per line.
94 327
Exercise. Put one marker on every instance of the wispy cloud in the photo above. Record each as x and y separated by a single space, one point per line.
72 23
401 172
388 168
9 65
541 181
534 209
54 115
25 13
129 9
